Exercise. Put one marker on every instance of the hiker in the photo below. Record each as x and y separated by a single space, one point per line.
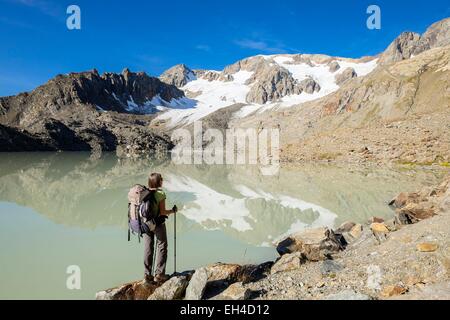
155 183
151 204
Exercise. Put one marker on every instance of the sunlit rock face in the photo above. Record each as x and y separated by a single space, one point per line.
178 76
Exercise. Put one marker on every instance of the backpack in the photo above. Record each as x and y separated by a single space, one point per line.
141 213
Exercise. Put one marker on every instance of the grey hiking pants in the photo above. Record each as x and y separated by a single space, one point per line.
161 250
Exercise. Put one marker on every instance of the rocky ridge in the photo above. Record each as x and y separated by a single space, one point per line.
362 112
270 84
87 111
397 114
410 44
127 92
213 76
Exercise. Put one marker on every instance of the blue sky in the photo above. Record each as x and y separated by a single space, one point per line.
35 44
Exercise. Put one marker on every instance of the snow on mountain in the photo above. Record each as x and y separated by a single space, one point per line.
212 209
274 75
325 218
319 72
210 96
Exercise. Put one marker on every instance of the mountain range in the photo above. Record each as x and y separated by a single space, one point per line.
393 106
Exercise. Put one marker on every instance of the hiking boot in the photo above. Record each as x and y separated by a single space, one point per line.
149 279
161 278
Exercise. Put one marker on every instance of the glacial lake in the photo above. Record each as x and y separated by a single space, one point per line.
64 209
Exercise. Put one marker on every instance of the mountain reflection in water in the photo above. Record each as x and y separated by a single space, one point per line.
73 190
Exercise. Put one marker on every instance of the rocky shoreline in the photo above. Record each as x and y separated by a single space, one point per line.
406 257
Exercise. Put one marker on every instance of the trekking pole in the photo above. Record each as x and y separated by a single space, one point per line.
175 243
154 257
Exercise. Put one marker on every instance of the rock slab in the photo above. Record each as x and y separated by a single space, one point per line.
132 291
313 245
197 285
287 262
173 289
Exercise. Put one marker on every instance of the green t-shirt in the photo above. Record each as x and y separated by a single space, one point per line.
160 195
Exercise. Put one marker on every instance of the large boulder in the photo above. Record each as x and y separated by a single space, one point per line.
355 233
197 285
223 271
173 289
404 198
288 262
253 273
313 244
415 212
237 291
230 273
380 231
417 206
345 227
349 231
139 290
221 275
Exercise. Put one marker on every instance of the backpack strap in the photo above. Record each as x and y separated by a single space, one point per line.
144 194
139 219
129 220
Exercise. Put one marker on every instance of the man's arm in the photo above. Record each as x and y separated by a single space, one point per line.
162 209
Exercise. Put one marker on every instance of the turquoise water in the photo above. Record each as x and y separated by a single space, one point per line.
58 210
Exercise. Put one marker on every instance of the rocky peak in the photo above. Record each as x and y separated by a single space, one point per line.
108 92
438 35
404 47
126 73
178 76
410 44
271 83
115 92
